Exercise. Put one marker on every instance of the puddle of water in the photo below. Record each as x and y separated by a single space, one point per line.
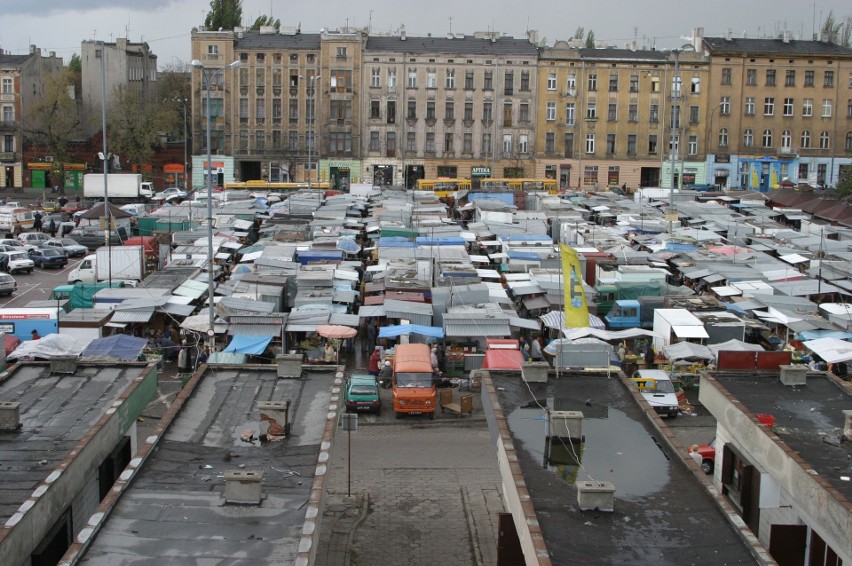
616 449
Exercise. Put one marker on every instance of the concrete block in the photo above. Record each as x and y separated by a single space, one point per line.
67 365
566 424
847 423
243 486
794 374
10 415
592 495
289 365
535 372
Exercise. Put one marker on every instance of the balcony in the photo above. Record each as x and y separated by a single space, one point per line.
8 125
7 156
784 150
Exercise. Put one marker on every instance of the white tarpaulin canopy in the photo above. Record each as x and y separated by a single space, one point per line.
574 333
686 350
831 350
51 346
734 345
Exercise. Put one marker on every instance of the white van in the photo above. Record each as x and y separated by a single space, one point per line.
656 387
16 220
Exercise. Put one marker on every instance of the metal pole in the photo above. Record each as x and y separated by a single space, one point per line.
675 127
210 260
311 126
349 463
107 242
185 141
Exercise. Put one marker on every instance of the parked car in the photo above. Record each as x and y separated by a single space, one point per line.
13 204
705 455
48 257
15 243
15 262
170 193
93 237
33 238
51 206
362 394
8 285
69 246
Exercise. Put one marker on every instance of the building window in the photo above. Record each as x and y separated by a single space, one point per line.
723 137
260 140
391 111
431 78
809 78
448 142
449 110
633 113
450 79
695 85
411 141
693 114
824 140
788 107
692 145
786 139
634 83
848 144
569 145
612 177
8 143
613 83
828 79
508 83
610 144
340 144
593 82
525 81
748 138
551 81
486 112
340 110
767 138
726 75
611 113
486 144
448 171
430 109
293 109
822 170
808 107
341 53
849 108
391 80
507 144
790 78
592 111
571 84
725 106
489 81
340 80
550 113
549 143
523 144
751 77
654 114
749 106
430 142
524 112
411 113
806 139
631 144
374 140
468 111
276 139
376 77
768 106
570 113
652 144
293 140
590 175
770 77
507 114
826 108
412 78
375 109
212 49
467 143
468 80
7 85
9 113
655 84
590 143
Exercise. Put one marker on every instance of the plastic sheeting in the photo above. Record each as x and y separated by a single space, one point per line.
399 330
831 350
118 346
253 345
51 346
686 350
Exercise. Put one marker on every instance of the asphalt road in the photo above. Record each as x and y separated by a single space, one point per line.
37 286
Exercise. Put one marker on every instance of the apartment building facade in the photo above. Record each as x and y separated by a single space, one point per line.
780 109
23 83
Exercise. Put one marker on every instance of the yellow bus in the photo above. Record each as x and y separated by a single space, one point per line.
443 187
258 185
547 185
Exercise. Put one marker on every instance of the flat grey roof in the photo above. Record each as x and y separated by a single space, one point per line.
57 411
804 418
467 45
662 513
175 508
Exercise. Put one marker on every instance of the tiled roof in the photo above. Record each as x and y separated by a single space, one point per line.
741 46
257 40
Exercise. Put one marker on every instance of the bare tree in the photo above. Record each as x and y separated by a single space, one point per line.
134 126
53 123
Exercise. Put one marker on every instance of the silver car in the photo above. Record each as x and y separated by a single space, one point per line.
15 262
8 285
67 245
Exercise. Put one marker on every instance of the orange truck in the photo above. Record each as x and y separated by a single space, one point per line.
414 390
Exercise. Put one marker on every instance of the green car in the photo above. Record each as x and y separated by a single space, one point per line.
362 394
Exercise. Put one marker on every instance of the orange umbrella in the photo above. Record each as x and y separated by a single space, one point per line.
335 331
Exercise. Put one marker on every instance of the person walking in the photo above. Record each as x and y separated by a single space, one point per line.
535 350
183 357
35 335
375 360
37 222
51 228
372 334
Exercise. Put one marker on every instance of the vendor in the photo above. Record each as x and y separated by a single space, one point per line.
375 360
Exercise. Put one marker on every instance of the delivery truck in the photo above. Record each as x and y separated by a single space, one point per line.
117 263
125 187
21 322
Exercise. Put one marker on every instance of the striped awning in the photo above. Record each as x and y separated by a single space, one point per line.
129 317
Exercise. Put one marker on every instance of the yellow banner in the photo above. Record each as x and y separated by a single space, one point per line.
576 310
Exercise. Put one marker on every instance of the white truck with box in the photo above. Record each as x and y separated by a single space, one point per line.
120 186
119 263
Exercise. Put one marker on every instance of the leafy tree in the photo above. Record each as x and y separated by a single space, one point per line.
590 39
224 14
581 31
266 21
52 123
844 187
175 90
74 65
837 31
134 126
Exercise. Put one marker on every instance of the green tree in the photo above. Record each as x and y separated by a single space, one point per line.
844 187
134 126
74 65
266 21
581 31
590 39
52 123
837 30
224 14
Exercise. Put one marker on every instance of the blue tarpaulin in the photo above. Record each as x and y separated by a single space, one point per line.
254 345
824 333
529 256
119 346
448 241
399 330
308 256
507 198
394 242
678 247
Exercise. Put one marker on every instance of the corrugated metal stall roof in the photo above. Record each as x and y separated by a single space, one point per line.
417 313
344 319
135 316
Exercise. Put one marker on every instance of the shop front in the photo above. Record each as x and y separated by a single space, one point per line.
222 168
340 174
686 174
46 175
477 174
382 175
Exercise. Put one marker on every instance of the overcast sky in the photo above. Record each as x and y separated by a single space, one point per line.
60 25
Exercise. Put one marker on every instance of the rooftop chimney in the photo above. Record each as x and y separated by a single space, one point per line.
33 49
244 487
10 416
274 419
847 424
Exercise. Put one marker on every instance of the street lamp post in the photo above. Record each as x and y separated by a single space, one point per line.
183 102
106 157
311 118
208 75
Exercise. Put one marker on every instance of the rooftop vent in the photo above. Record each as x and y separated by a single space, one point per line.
243 487
10 416
66 365
595 495
274 419
794 375
566 425
289 365
847 424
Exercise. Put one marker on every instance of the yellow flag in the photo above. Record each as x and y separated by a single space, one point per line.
576 310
